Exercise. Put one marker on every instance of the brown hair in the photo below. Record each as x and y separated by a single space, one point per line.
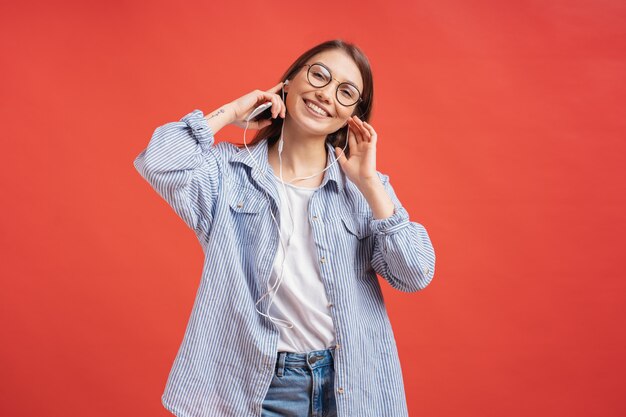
363 109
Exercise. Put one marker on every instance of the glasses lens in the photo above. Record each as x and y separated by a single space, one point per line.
319 76
347 94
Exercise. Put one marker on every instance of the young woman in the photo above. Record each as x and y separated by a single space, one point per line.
289 318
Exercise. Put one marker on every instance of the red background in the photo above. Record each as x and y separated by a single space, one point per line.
501 126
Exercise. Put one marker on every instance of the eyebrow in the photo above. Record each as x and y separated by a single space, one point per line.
331 70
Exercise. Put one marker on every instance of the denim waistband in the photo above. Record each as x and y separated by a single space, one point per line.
313 359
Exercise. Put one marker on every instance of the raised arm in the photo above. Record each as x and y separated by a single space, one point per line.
181 164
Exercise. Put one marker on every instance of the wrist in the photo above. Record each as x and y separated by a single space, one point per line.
219 118
370 185
229 113
379 201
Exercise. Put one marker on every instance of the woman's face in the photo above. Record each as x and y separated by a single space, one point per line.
302 94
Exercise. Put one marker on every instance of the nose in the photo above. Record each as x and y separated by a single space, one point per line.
324 94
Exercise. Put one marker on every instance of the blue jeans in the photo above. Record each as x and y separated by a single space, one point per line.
303 385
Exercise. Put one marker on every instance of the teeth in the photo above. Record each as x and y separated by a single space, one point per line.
316 108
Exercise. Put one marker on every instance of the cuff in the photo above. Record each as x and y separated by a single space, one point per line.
398 220
200 129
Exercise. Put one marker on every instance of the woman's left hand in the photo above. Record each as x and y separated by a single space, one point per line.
360 168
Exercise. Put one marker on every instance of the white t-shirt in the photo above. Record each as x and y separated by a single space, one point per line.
301 297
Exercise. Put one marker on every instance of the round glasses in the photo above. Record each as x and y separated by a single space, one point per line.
319 76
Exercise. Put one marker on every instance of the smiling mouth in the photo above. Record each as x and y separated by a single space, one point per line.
315 109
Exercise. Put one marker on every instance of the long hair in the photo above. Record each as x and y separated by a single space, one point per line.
363 109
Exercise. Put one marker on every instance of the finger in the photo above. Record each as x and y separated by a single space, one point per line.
369 127
357 131
262 99
280 108
366 133
371 130
275 109
341 157
276 88
352 128
275 106
261 124
352 143
258 124
357 123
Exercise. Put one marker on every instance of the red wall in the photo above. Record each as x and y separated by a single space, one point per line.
501 126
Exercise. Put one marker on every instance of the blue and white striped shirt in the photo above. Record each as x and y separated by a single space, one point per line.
226 360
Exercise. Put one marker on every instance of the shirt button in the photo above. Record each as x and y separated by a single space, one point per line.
330 304
240 205
337 346
314 217
323 260
340 390
426 270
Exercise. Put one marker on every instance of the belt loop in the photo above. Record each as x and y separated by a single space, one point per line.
332 353
281 363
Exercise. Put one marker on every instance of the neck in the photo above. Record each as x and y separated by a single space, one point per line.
303 153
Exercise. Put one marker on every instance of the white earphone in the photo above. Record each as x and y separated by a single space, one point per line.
254 113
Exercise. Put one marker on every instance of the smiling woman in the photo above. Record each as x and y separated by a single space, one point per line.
334 69
300 351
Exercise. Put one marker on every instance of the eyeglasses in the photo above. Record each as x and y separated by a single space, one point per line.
319 76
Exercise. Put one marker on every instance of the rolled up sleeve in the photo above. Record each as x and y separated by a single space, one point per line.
403 252
181 164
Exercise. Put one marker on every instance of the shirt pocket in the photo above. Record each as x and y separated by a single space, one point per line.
246 200
356 237
357 224
247 211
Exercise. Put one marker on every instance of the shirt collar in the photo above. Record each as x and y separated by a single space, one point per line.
261 165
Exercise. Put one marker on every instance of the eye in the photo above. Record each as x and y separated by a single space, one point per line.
346 92
318 75
349 91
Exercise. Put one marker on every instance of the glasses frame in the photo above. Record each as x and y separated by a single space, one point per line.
332 78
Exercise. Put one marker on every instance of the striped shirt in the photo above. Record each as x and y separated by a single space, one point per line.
226 360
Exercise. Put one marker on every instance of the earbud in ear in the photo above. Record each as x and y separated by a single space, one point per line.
286 82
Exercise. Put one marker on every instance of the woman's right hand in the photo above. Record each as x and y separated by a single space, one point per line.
243 107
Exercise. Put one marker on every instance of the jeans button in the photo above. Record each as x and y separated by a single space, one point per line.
314 359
